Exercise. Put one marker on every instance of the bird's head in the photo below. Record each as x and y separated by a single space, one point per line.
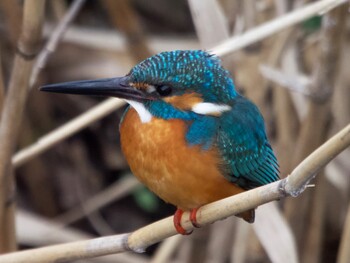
175 84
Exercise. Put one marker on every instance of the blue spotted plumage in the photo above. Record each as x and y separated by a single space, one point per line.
239 134
188 135
248 158
194 70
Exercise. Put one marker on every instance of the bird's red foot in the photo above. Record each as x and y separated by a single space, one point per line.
177 223
193 217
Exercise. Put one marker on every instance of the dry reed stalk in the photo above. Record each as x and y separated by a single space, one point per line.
12 12
199 247
55 39
166 249
220 242
114 41
213 33
124 18
2 85
209 34
111 194
344 251
273 228
295 82
314 129
75 125
58 8
313 239
10 121
249 13
286 118
276 25
85 119
34 230
239 249
140 239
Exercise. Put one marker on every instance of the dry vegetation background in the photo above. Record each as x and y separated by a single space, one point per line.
81 187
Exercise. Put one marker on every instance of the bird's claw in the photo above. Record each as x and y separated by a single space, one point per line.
193 218
177 221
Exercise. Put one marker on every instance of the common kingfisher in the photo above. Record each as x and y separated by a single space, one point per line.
188 135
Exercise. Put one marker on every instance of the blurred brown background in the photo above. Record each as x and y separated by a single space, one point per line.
298 78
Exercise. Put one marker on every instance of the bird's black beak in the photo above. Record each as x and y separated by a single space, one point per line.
114 87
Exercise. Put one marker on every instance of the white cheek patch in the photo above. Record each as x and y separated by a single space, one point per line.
207 108
144 114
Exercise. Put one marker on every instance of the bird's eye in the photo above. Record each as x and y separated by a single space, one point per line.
164 90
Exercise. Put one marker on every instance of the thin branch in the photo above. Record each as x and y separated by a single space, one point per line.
34 230
276 25
111 194
221 50
28 46
66 130
300 83
139 240
55 38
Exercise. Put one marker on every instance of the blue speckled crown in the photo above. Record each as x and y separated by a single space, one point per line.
187 69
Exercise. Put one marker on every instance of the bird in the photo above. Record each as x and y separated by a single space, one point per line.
187 134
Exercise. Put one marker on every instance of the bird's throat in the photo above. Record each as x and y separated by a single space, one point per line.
144 114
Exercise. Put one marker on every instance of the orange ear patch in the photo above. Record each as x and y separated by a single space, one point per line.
139 85
185 101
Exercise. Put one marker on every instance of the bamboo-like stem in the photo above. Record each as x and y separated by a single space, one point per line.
314 129
46 142
85 120
12 113
54 39
140 239
276 25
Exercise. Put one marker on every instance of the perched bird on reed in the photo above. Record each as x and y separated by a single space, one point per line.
189 136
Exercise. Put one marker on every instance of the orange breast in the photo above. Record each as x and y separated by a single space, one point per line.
158 155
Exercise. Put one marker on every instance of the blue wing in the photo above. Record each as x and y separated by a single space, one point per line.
248 159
